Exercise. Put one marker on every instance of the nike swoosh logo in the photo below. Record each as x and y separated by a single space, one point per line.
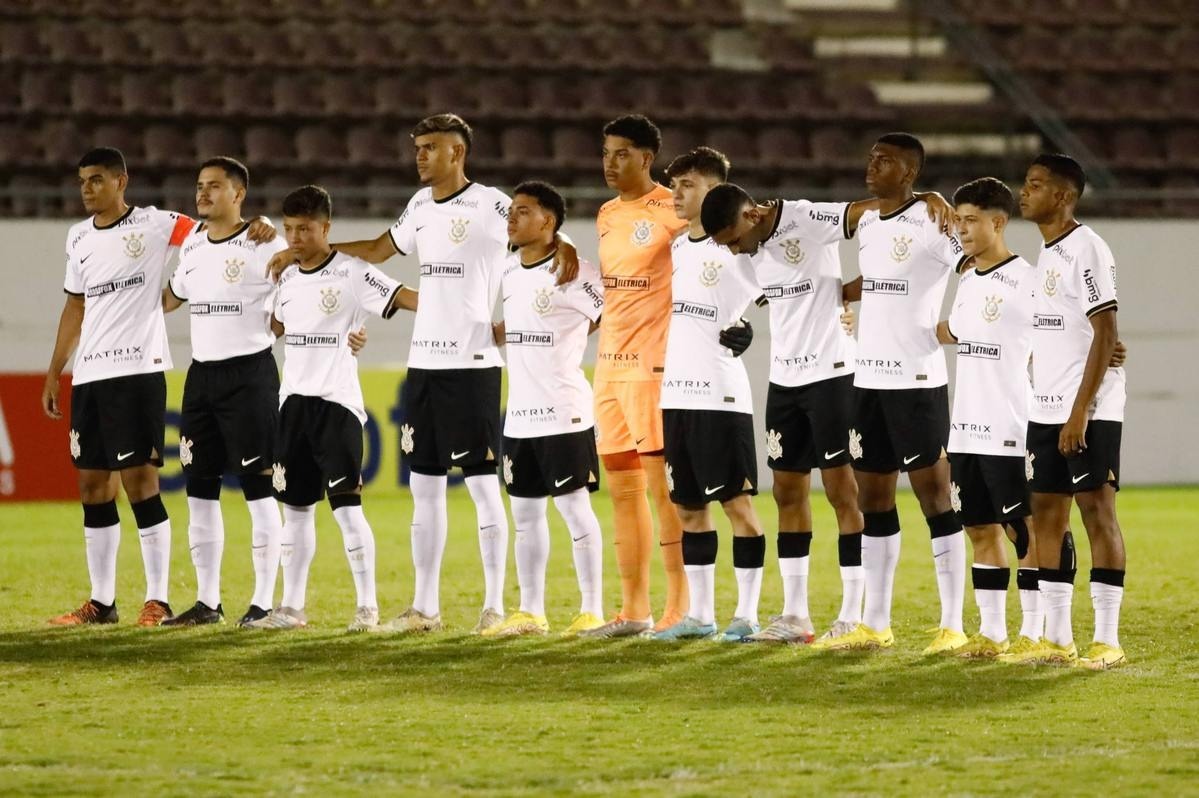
333 483
560 482
459 455
422 227
189 271
907 460
828 456
1076 480
580 537
638 442
84 260
505 299
605 233
710 491
1013 507
284 302
245 462
124 456
263 546
351 551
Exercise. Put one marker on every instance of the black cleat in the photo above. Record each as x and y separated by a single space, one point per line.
255 613
200 614
92 612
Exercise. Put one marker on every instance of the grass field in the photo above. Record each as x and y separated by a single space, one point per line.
221 711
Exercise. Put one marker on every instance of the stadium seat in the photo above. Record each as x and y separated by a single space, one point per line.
213 140
248 95
525 147
269 146
197 94
20 44
168 146
399 96
575 148
1182 147
167 44
320 146
18 146
1036 49
737 144
126 138
61 144
145 94
69 43
92 93
782 148
295 94
1137 148
501 96
371 146
44 91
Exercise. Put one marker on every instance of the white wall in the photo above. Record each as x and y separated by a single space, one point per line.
1157 262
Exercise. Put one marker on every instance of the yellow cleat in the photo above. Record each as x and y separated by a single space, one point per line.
518 624
980 646
1101 656
1023 644
581 623
1053 654
862 638
947 641
1025 651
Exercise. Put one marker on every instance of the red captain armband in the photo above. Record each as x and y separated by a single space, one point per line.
183 226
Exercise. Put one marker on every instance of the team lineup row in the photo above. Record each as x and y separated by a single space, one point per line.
670 415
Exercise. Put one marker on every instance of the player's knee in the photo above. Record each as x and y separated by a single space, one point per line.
622 461
95 487
208 488
140 483
256 486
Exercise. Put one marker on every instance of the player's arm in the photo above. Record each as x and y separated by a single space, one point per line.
170 301
1072 439
261 230
566 259
404 298
70 323
276 327
593 326
852 291
374 250
499 332
939 209
944 334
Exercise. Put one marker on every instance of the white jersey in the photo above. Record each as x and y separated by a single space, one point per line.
228 293
799 269
546 330
118 269
905 262
319 308
462 243
992 321
1077 279
711 288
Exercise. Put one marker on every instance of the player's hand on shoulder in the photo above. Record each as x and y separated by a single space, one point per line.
939 211
279 262
737 337
357 339
1119 355
261 230
566 262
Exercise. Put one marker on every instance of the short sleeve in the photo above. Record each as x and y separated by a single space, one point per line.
73 282
747 282
178 284
586 292
824 222
497 217
403 232
944 248
174 226
373 289
1097 277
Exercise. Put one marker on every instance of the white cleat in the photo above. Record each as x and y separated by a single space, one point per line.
282 618
621 626
365 619
487 619
838 629
409 621
784 629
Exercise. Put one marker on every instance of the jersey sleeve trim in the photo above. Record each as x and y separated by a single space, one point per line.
183 226
845 231
72 293
171 288
390 308
1109 305
391 235
949 330
761 301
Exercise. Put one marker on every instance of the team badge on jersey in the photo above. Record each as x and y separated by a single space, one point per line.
73 436
134 245
1028 471
643 233
458 230
774 444
406 439
507 470
991 308
955 497
233 270
793 252
855 444
542 302
279 477
1051 278
709 275
669 477
901 249
185 451
330 300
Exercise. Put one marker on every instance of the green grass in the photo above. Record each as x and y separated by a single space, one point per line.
219 711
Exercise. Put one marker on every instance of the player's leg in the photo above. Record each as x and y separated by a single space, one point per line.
525 480
359 541
1028 584
724 448
749 555
571 462
990 576
266 539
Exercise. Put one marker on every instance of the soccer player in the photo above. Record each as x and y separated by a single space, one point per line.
900 415
991 324
1077 413
635 231
459 230
707 407
318 446
549 428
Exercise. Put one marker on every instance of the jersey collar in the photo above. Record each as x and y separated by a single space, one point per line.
541 262
778 218
469 183
111 225
1062 237
244 227
899 210
1003 262
323 264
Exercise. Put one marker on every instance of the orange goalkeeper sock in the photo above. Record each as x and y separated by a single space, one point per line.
670 540
634 534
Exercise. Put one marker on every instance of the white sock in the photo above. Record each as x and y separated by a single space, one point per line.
493 536
532 551
429 529
992 607
297 549
749 591
794 571
156 559
880 556
1032 621
1106 599
206 540
584 529
1056 597
701 584
359 543
102 544
949 557
853 584
266 536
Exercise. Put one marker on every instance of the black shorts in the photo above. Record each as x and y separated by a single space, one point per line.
1096 466
898 430
988 488
807 426
230 410
119 422
709 455
318 447
451 420
551 465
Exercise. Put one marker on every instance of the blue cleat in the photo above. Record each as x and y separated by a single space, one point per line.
687 629
737 630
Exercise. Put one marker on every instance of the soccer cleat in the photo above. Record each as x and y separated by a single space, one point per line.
947 641
582 622
784 629
737 630
409 621
980 646
862 638
687 629
1025 651
518 624
1101 656
669 618
92 612
487 619
837 630
255 613
199 614
620 626
365 619
1053 654
153 613
281 618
